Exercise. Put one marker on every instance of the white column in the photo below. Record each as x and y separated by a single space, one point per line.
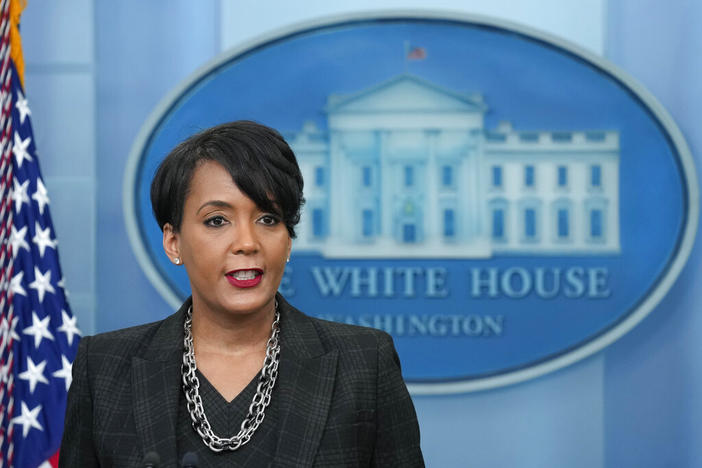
477 192
433 222
385 186
336 178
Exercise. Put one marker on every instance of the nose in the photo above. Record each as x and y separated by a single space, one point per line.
245 240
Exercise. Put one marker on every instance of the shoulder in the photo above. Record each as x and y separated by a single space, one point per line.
331 334
126 341
150 341
344 336
356 345
353 341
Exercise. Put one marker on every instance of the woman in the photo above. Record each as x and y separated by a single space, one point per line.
236 377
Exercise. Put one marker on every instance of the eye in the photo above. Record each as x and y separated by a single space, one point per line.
215 221
269 220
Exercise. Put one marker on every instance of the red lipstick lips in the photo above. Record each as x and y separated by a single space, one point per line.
245 278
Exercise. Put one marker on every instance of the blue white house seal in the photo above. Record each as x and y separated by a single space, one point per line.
500 201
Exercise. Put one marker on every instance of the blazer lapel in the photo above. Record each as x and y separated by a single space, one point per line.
156 384
307 373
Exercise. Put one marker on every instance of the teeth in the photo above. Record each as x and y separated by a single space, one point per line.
245 274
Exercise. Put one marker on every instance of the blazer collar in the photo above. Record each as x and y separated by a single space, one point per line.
307 372
156 385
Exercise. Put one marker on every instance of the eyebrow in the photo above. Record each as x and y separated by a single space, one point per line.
216 203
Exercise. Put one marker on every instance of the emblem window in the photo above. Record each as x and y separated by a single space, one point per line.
596 231
319 176
497 176
409 176
529 175
449 223
367 223
562 176
596 176
563 223
318 227
366 176
447 176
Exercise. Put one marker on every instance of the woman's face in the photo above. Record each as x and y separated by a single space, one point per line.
234 253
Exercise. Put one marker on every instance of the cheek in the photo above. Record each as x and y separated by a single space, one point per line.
201 258
281 259
280 254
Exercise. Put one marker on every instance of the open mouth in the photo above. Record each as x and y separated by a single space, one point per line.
245 278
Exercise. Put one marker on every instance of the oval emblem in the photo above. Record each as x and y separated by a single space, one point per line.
501 202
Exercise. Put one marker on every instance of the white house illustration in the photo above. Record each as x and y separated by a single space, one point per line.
407 169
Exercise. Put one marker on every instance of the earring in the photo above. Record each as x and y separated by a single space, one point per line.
288 260
176 260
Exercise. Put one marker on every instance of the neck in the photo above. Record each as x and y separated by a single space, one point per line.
231 334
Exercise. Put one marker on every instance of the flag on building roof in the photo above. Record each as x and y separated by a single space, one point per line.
38 333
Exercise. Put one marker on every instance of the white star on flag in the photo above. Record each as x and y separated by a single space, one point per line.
19 194
42 283
5 371
22 107
12 332
4 328
9 331
17 240
34 374
41 196
28 419
43 239
16 284
39 329
65 371
69 327
20 149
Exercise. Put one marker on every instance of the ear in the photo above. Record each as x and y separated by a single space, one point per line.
171 242
289 247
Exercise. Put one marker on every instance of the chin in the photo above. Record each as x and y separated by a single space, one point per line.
248 305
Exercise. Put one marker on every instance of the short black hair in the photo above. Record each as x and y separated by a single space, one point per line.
261 164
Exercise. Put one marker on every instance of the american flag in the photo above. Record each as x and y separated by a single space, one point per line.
38 333
416 53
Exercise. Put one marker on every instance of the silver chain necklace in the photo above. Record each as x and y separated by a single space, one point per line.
261 400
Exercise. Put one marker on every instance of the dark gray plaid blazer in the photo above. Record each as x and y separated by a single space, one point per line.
343 400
